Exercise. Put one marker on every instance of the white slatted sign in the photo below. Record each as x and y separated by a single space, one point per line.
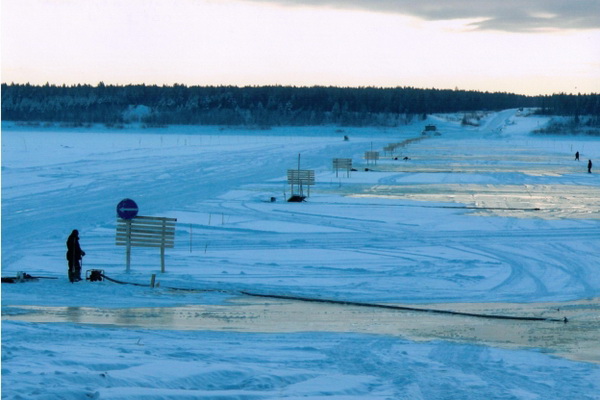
342 163
146 232
372 155
301 177
390 148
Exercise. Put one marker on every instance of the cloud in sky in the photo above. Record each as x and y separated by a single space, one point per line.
500 15
421 43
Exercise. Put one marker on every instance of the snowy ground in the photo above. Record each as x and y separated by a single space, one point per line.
475 219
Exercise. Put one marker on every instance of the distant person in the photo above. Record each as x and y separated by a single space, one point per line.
589 166
74 255
577 156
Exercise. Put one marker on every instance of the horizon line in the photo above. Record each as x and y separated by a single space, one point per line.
174 84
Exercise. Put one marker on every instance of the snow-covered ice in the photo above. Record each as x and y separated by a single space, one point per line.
490 218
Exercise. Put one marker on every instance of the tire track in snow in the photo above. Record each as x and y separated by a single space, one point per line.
83 193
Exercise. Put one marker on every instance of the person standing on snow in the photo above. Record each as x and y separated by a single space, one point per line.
74 255
577 156
589 166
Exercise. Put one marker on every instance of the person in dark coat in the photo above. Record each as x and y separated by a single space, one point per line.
74 255
577 156
589 166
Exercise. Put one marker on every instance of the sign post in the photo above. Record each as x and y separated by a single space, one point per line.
372 155
300 178
127 209
140 231
342 163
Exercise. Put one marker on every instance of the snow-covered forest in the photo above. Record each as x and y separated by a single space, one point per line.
265 106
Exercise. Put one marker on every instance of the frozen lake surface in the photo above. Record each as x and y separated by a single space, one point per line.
488 219
575 338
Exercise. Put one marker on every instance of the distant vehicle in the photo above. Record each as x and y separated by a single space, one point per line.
430 129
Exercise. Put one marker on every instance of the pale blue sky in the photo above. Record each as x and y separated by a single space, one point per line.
526 46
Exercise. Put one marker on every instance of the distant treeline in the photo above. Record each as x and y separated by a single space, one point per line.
263 106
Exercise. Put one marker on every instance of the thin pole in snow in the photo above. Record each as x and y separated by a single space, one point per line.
128 245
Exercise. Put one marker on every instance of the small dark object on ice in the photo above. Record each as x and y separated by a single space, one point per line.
296 199
21 277
94 275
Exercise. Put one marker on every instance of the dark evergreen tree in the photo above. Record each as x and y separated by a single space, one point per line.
266 105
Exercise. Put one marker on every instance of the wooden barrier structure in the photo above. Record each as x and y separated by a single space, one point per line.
299 178
146 232
342 163
392 147
372 156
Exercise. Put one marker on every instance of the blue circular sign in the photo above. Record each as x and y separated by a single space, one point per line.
127 209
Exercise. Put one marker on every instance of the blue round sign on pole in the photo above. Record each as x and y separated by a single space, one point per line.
127 209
